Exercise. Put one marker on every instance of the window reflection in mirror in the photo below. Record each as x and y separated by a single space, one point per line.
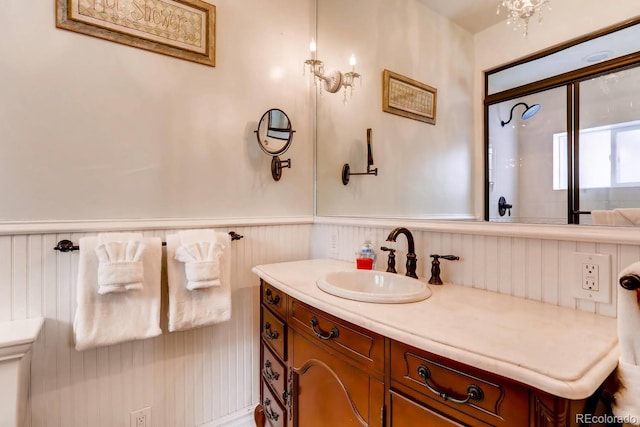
581 151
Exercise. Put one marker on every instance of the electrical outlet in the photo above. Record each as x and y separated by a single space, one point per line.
141 417
592 277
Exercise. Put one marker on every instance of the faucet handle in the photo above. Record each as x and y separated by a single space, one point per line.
447 257
391 261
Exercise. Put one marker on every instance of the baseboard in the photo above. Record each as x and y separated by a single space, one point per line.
241 418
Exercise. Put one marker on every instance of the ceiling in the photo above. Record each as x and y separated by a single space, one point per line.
472 15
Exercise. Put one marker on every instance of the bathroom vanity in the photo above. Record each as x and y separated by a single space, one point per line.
461 357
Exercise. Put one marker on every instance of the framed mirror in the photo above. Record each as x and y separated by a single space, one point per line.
274 132
274 138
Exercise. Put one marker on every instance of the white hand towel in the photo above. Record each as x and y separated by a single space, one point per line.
627 399
120 266
199 307
201 262
113 318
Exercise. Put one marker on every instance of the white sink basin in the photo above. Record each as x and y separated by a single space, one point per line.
374 286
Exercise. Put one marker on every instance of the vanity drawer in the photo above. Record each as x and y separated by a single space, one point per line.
274 299
274 372
275 413
274 333
361 345
422 375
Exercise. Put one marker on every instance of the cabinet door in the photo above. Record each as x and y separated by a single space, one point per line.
330 392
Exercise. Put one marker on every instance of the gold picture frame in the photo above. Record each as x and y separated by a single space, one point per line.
408 98
183 29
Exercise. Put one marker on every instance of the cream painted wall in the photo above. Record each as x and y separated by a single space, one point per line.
423 170
499 45
94 129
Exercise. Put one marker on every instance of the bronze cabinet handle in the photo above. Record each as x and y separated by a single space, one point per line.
272 376
272 335
271 300
473 391
268 411
333 334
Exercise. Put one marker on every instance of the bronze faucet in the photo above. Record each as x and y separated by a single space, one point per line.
412 260
435 267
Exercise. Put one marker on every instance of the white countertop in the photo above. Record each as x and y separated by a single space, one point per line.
565 352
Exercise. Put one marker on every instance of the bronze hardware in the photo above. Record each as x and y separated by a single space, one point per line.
503 206
268 411
346 169
277 165
272 335
391 261
68 246
435 267
630 282
333 334
272 300
412 259
271 376
473 391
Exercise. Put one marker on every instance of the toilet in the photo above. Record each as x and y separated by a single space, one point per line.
16 340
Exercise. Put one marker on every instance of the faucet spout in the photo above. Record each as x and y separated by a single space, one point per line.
412 259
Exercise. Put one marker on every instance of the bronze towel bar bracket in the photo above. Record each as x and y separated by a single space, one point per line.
68 246
630 282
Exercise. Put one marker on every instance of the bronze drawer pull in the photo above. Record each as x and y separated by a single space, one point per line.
271 300
271 376
333 334
473 391
269 412
272 335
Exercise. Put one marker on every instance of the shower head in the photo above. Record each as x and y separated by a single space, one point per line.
526 115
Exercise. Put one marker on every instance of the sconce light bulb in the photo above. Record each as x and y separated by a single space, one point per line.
312 46
352 60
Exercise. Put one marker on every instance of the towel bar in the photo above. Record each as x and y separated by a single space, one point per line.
68 246
630 282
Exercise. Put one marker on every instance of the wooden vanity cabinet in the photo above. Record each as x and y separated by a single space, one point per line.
321 371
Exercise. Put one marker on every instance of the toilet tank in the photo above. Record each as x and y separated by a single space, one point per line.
16 340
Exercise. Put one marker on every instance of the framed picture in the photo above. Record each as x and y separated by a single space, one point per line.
408 98
184 29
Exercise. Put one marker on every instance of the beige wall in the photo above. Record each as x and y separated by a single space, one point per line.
94 129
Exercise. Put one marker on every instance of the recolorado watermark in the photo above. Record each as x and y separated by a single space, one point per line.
607 419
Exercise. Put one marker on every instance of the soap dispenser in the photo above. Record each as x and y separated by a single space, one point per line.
366 256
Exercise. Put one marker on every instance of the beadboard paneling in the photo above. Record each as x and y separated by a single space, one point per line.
197 377
537 269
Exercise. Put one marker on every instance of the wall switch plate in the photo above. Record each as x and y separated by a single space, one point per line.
592 277
141 417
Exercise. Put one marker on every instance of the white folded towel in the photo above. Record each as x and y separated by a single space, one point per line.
627 217
116 317
200 306
120 266
627 399
201 262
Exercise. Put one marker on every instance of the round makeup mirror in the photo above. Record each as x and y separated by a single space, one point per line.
274 137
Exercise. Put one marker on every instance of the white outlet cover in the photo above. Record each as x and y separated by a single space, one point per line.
603 261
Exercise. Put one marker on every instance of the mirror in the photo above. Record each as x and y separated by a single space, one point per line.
424 170
274 138
427 171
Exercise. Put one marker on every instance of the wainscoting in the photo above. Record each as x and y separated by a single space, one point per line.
206 376
520 264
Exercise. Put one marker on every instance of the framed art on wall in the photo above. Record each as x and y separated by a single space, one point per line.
184 29
408 98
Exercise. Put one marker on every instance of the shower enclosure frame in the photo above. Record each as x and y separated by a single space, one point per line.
571 80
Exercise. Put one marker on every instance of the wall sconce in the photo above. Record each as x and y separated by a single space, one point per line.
334 79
